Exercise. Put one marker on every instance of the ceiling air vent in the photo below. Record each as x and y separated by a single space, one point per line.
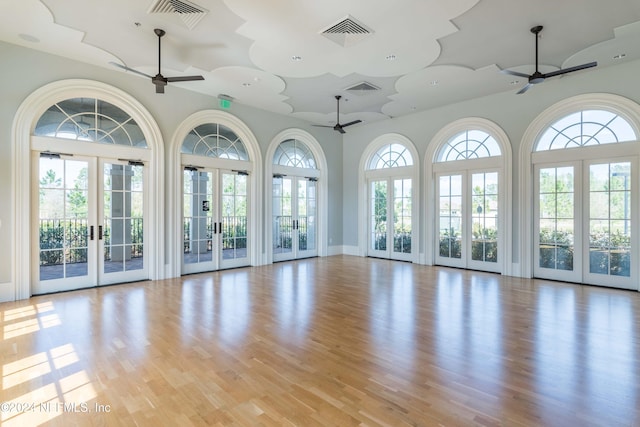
190 13
362 88
347 32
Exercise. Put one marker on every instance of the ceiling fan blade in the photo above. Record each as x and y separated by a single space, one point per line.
184 78
323 126
515 73
571 69
339 129
351 123
124 67
524 89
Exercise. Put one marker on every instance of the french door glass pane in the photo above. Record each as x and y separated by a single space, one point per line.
450 217
234 216
378 220
198 217
484 217
123 218
282 220
610 219
402 215
306 214
556 218
63 218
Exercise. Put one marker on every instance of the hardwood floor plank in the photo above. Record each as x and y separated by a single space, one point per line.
336 341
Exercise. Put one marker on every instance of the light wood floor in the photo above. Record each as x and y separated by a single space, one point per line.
337 341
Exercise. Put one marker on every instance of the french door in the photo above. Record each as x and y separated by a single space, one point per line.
468 220
390 215
89 224
215 232
584 213
294 217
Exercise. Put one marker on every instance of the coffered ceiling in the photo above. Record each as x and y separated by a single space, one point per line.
293 56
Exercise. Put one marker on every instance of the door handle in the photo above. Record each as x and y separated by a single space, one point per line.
215 228
91 233
99 232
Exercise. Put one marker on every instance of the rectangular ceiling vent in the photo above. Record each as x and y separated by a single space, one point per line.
347 32
190 13
362 88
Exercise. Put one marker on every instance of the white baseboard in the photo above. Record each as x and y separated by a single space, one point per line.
7 292
350 250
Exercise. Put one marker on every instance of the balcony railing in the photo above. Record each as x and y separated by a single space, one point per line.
67 240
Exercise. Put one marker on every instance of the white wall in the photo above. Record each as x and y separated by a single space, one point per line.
25 70
513 113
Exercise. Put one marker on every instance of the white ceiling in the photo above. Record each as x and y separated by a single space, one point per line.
445 51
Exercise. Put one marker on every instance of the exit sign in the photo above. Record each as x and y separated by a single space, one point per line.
225 104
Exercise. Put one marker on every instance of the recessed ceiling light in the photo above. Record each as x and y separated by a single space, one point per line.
620 56
137 24
433 83
296 58
29 38
246 84
256 79
514 82
390 57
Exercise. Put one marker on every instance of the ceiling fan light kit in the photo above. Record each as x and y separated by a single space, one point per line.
159 80
537 76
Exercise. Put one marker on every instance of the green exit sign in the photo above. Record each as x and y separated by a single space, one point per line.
225 104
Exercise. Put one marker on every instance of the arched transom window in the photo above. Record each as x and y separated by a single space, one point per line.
586 128
92 120
214 140
470 144
391 156
295 154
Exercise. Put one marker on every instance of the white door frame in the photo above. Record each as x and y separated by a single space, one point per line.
23 124
296 253
364 175
322 192
174 193
503 163
466 169
389 253
625 107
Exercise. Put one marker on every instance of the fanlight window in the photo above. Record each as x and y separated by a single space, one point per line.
391 156
92 120
214 140
295 154
585 128
470 144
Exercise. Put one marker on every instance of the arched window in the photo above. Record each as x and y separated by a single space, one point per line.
470 144
294 153
92 120
586 128
585 166
294 201
95 163
470 166
216 198
391 156
389 199
214 140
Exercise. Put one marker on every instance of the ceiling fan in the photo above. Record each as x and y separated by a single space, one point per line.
537 76
339 127
159 80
